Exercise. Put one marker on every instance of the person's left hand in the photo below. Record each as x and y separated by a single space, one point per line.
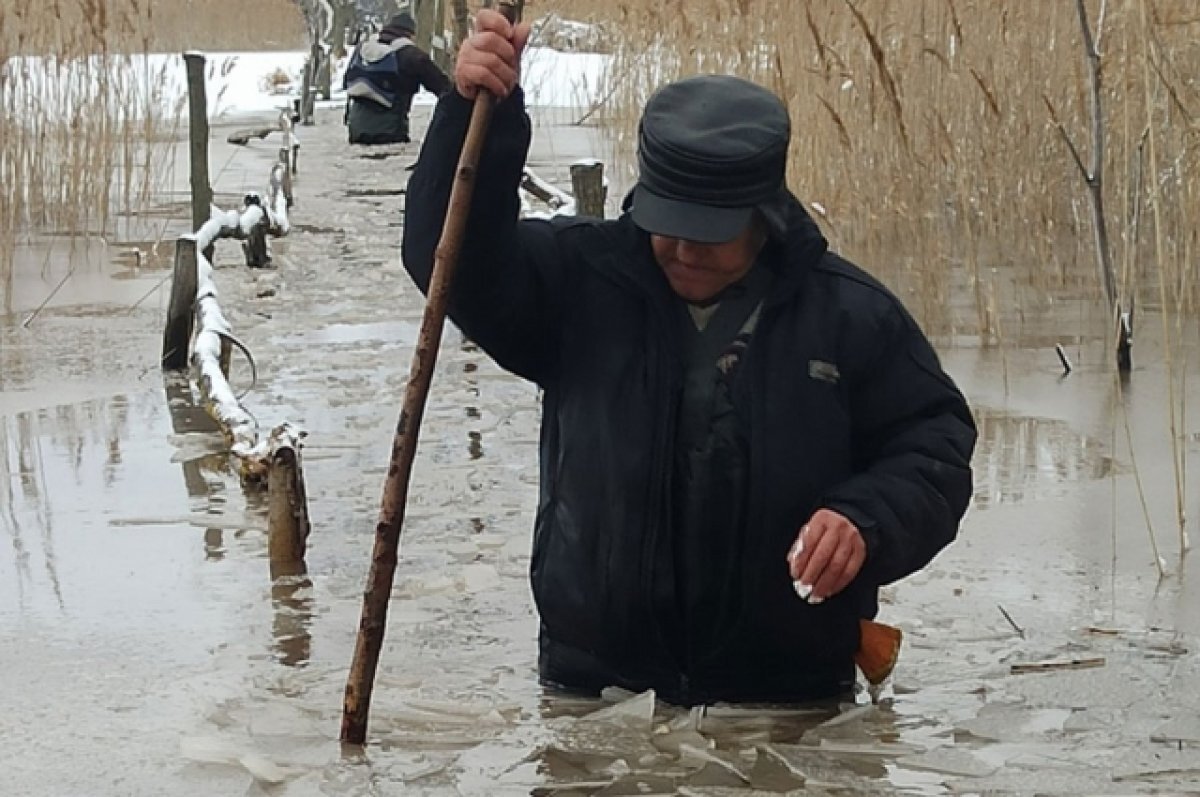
827 555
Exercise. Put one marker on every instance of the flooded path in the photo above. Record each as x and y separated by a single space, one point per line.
145 649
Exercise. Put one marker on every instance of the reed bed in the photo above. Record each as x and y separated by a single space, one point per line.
925 136
86 124
933 143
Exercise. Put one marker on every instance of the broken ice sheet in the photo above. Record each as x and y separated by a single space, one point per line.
1150 763
420 586
1089 781
669 741
642 784
1094 720
869 749
462 548
772 772
211 750
402 716
948 761
760 724
1013 722
478 577
460 707
1180 730
633 712
618 732
852 722
712 768
822 770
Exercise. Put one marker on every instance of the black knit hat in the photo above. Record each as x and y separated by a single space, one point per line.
402 23
711 149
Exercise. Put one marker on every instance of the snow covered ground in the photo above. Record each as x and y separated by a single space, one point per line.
252 82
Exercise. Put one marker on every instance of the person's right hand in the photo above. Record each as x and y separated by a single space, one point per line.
490 58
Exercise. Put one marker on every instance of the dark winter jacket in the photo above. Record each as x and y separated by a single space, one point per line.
841 397
373 123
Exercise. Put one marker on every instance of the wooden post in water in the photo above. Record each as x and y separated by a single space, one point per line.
255 247
587 184
177 335
202 194
288 525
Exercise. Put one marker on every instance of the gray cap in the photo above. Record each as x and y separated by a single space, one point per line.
711 149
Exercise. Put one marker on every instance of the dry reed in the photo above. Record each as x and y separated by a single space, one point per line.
86 125
938 141
922 131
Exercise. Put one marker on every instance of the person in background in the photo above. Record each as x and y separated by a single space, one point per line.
743 434
386 70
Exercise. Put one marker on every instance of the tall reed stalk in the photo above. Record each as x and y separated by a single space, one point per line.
928 144
922 132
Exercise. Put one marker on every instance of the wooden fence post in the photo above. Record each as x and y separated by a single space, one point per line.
308 87
325 76
177 335
256 248
288 525
587 184
202 194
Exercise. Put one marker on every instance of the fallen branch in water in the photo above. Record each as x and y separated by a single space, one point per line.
1051 666
1020 631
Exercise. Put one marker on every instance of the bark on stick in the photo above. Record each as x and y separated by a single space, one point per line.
361 680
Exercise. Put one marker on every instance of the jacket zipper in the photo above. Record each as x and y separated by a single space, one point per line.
669 383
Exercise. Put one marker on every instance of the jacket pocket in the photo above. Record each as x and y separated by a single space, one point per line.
569 576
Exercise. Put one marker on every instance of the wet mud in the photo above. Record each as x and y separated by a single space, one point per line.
147 650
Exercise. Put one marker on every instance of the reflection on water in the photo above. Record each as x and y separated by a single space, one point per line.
1020 458
292 612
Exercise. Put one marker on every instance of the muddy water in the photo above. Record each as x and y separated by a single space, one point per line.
145 650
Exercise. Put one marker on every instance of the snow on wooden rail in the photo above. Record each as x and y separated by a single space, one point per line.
194 306
272 462
210 363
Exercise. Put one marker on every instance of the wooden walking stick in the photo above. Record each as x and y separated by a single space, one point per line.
373 622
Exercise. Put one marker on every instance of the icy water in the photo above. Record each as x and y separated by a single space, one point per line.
145 649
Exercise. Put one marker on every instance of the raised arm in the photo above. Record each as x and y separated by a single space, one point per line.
507 289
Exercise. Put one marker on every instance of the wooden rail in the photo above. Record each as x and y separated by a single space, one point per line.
198 334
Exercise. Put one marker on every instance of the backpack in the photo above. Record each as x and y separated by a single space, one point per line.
373 72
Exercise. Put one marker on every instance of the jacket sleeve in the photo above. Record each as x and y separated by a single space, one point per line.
432 77
914 436
506 290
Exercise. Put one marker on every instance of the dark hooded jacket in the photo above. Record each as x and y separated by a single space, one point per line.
372 123
841 398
